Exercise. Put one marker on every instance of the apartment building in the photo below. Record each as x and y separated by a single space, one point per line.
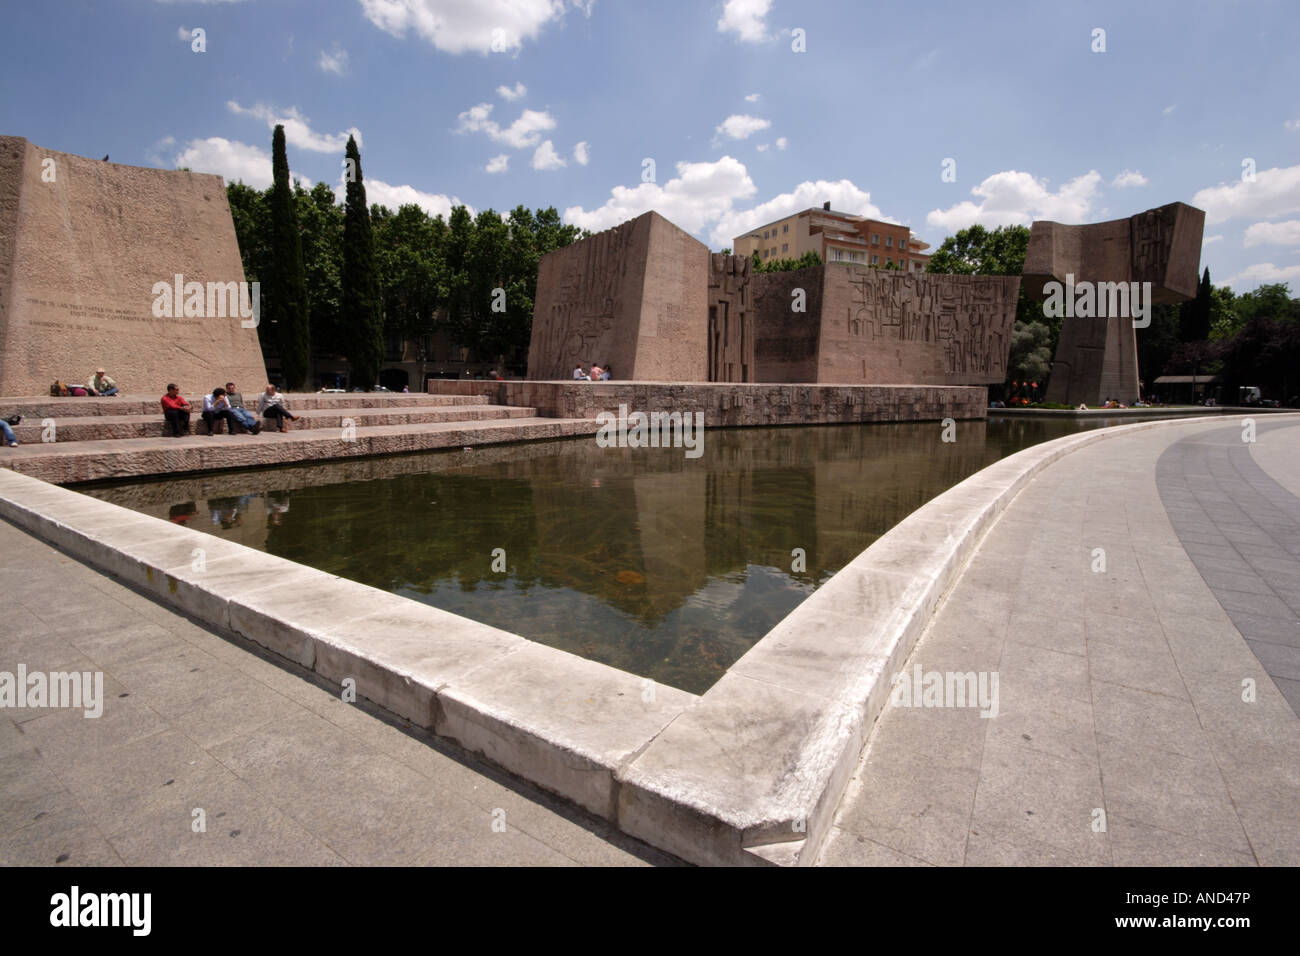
836 237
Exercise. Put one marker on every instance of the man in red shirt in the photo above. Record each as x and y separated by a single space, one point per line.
177 412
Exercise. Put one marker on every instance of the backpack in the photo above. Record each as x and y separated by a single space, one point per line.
58 389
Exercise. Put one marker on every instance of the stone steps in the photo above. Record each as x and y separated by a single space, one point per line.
151 425
106 459
38 406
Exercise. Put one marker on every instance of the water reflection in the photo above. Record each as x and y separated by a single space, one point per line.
661 565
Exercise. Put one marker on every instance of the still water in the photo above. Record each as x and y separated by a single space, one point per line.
667 567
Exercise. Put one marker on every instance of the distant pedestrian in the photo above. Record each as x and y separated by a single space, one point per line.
580 376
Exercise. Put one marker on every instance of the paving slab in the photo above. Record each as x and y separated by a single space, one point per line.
1144 715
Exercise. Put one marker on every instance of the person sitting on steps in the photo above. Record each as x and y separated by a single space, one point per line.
242 414
215 407
176 411
271 405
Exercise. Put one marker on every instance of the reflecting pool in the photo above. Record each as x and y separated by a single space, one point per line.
657 564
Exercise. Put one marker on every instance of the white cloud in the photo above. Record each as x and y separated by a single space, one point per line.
523 132
1275 192
742 126
1261 273
334 60
763 147
1130 177
498 164
582 153
297 128
1292 124
745 19
184 33
782 142
457 26
517 92
1169 109
545 157
378 191
751 98
235 161
1013 198
700 194
843 195
1209 239
1273 233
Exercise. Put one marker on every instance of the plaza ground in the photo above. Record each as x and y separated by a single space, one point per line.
1120 691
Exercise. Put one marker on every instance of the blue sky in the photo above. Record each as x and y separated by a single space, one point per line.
741 128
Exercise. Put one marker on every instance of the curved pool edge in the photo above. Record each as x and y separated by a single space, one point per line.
753 773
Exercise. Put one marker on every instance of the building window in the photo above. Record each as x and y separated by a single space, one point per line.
902 243
764 233
786 227
785 247
889 261
875 260
889 241
875 238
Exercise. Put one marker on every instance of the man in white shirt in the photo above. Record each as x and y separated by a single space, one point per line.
217 406
579 375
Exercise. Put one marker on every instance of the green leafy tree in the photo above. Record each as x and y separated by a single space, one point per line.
809 258
409 256
362 308
1030 358
286 308
322 249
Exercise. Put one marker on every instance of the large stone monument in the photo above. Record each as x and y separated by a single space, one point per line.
883 327
84 245
1096 357
651 300
633 297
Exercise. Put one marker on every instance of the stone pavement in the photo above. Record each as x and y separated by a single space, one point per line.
284 772
1126 732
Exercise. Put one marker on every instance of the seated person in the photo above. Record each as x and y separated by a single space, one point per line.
176 411
242 414
10 438
604 375
580 376
100 384
271 404
596 373
217 407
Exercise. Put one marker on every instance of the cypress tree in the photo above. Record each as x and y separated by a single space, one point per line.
1194 319
286 294
363 317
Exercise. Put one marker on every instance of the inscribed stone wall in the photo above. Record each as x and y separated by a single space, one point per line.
82 243
731 319
915 328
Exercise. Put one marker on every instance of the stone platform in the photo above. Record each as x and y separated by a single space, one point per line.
107 438
732 404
